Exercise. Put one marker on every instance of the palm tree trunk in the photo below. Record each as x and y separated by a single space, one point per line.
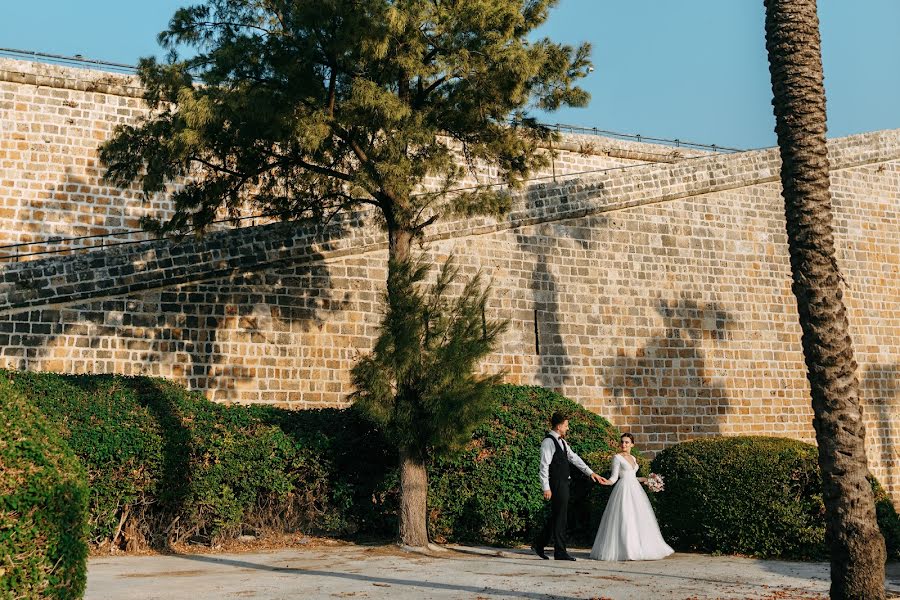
795 64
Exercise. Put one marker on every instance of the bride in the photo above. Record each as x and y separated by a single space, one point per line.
628 529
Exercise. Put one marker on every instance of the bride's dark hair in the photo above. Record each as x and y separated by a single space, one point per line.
627 435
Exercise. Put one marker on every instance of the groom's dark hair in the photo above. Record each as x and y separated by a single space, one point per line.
557 418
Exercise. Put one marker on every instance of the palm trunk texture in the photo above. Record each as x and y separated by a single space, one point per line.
795 63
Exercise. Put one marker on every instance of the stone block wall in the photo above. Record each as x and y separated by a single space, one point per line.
53 118
657 295
51 121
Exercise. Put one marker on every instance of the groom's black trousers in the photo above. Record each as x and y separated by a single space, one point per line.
555 528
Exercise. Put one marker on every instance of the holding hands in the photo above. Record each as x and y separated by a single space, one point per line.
594 477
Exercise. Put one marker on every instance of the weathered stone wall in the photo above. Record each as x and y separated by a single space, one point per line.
656 295
52 119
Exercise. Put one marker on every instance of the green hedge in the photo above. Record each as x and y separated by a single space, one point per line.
166 465
490 492
43 507
888 520
759 496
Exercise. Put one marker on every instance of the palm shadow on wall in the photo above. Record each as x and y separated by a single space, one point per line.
880 387
667 384
554 364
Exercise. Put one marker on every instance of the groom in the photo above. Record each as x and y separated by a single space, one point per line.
555 458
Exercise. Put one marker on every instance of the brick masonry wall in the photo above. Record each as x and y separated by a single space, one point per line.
656 295
52 119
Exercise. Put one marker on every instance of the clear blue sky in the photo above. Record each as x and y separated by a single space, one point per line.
689 69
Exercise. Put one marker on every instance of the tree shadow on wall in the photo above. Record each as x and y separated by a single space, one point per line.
80 206
249 325
667 385
214 337
554 246
880 388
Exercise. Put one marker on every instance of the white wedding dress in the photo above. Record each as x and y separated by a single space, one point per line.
628 529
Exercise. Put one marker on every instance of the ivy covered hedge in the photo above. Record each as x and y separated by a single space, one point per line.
759 496
43 507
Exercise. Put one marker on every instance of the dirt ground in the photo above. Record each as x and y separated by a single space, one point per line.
314 568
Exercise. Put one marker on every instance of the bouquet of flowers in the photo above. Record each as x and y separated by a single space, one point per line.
655 482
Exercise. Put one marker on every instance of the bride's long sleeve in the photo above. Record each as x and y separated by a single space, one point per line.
614 477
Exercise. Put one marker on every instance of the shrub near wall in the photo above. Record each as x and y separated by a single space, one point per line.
759 496
490 493
43 507
166 465
888 520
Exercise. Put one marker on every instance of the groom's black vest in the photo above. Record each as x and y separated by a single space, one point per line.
559 466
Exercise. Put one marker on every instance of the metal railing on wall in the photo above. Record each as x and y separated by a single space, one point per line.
14 252
68 61
88 63
642 138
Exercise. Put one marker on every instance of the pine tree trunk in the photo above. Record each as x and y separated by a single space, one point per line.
413 499
413 477
399 244
795 64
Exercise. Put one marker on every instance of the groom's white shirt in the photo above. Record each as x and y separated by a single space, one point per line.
548 448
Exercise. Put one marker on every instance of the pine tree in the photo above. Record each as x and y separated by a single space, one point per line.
308 108
418 384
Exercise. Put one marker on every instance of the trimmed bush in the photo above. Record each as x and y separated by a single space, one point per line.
888 520
166 465
490 493
43 507
758 496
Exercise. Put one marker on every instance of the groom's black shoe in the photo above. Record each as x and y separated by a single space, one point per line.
539 552
563 557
